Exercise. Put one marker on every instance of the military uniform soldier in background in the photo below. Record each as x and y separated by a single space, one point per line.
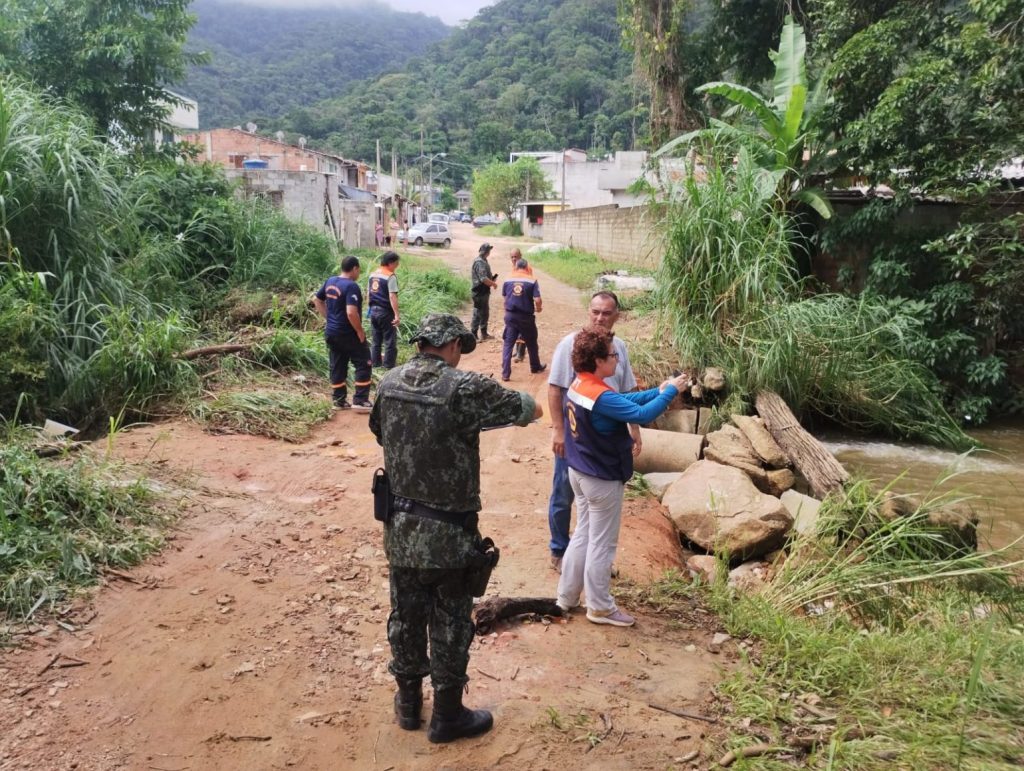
428 416
483 281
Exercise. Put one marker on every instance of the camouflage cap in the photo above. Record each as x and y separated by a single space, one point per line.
485 248
439 329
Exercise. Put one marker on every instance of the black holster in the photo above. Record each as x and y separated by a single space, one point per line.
478 574
383 501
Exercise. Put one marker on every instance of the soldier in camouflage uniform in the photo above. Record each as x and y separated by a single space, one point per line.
482 281
428 416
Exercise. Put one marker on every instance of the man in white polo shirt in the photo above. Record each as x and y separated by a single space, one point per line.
604 312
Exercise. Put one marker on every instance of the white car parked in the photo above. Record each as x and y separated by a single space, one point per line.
428 233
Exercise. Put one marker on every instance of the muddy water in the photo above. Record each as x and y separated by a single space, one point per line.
995 475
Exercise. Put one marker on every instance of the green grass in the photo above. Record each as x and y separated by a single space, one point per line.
578 268
62 521
276 413
917 659
730 297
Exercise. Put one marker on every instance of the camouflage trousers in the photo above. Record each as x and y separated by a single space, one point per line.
434 602
481 313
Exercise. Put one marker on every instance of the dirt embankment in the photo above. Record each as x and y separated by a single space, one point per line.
256 640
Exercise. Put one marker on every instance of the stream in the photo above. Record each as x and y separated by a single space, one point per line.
993 477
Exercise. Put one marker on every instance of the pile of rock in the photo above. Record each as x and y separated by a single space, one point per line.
731 491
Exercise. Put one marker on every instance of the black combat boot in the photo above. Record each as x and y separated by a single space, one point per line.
409 703
451 721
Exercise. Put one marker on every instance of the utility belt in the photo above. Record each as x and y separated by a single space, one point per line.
467 520
485 554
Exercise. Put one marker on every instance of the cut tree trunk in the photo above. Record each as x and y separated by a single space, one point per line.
817 465
490 612
215 350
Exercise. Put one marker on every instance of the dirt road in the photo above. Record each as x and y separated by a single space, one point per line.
256 640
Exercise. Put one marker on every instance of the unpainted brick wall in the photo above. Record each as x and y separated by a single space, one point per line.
626 235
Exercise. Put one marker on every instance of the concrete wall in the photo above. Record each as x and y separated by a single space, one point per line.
303 196
356 224
626 235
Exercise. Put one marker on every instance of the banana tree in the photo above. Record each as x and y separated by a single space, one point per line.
782 132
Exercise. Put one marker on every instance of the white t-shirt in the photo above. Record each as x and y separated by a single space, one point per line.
562 373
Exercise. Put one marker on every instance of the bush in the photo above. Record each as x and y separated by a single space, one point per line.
729 288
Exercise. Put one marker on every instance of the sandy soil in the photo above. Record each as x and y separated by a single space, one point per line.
256 639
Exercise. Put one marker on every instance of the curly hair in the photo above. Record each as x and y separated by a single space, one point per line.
591 343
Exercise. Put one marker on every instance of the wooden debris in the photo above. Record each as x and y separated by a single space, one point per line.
491 611
753 751
215 350
818 466
684 715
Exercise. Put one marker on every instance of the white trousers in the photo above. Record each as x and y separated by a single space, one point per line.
587 564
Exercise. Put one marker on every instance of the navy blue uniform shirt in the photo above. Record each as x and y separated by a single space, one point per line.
338 292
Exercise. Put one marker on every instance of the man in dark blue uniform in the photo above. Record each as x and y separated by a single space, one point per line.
522 301
340 302
382 297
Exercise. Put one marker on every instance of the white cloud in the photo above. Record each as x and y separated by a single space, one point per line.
449 11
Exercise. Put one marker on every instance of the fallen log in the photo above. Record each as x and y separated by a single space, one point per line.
817 465
215 350
489 612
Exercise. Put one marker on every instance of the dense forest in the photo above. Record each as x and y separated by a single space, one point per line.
521 75
266 61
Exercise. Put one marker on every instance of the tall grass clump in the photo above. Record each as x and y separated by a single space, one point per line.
916 657
427 286
61 522
731 294
66 228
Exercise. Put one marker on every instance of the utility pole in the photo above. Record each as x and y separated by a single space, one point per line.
563 180
379 172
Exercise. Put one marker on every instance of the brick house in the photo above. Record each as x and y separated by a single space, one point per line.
229 147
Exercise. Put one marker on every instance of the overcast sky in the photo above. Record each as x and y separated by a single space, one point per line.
450 11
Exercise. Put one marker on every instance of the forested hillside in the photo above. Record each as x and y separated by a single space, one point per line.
522 75
267 61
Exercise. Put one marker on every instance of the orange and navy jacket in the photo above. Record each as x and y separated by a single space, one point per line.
520 290
605 456
377 294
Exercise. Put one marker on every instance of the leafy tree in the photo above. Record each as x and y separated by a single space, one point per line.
927 92
499 187
113 58
783 127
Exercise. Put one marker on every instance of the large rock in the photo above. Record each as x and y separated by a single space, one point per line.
659 481
718 508
667 451
714 379
766 448
730 447
804 509
680 421
703 566
957 526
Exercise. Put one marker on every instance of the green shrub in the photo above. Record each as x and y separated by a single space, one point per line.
729 289
27 326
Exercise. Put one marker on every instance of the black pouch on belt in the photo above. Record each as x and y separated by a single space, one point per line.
382 500
479 573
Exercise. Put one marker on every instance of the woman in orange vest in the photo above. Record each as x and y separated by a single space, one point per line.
599 451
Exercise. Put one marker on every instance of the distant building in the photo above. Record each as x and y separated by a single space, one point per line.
181 119
463 197
231 147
